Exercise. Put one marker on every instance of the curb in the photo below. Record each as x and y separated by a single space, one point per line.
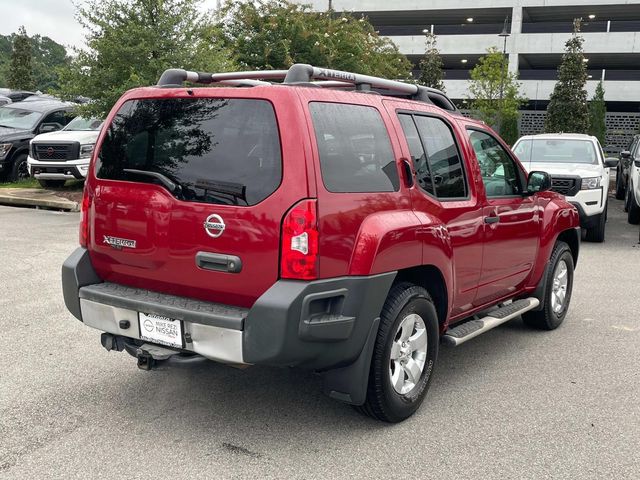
23 197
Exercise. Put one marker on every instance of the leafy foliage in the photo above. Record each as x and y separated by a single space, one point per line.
431 65
494 93
47 57
20 74
274 34
131 42
598 114
568 110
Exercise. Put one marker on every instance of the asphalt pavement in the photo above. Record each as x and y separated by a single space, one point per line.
512 403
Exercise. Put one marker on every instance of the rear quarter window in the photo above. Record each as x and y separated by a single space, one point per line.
354 148
216 150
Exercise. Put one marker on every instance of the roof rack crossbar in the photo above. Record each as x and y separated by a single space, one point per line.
302 73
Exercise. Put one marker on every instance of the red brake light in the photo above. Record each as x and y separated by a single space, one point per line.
84 218
299 258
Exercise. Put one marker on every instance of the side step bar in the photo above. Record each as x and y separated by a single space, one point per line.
466 331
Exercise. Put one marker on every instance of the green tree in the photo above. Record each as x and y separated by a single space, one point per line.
598 115
274 34
20 69
131 42
431 65
495 93
568 110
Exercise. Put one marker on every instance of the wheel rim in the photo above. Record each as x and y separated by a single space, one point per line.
559 288
408 354
23 170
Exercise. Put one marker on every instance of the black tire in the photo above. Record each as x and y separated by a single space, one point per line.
596 233
620 191
633 209
20 170
52 183
383 402
547 318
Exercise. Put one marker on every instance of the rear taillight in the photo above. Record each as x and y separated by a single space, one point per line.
299 251
84 218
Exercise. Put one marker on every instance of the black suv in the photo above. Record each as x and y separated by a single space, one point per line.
622 172
19 123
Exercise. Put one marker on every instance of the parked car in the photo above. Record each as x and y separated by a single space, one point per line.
622 170
19 123
579 171
56 157
632 192
15 95
335 231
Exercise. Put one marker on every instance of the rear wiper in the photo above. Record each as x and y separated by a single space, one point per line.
166 181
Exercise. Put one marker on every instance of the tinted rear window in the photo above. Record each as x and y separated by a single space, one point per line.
224 151
354 148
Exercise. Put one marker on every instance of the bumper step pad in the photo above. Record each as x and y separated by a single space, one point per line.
466 331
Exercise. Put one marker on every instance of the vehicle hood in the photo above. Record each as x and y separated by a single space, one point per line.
583 170
82 137
8 134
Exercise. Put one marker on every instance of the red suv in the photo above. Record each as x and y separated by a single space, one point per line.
336 222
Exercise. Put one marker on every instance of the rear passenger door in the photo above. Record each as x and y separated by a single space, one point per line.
443 191
511 220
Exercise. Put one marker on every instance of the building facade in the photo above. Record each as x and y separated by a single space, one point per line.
537 31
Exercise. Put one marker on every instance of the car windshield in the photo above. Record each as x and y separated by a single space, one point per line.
559 150
83 124
18 118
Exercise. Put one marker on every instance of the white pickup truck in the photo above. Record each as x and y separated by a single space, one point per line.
578 170
56 157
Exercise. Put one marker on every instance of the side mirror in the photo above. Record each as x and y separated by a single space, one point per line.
49 127
625 154
610 162
538 182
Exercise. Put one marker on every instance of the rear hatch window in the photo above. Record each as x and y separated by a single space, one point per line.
210 150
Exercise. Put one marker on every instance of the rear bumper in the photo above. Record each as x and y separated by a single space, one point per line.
61 170
320 325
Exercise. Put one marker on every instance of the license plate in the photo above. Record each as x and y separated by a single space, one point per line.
159 329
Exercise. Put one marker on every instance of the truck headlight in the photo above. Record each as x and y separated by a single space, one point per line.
4 149
590 183
86 150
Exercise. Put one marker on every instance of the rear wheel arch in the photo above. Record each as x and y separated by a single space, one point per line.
431 279
572 238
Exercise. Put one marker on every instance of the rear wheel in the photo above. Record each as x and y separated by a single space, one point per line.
52 183
633 209
404 354
596 233
557 295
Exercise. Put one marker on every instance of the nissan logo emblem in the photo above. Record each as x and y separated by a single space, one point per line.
50 151
214 225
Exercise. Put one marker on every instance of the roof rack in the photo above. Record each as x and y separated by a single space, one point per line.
303 74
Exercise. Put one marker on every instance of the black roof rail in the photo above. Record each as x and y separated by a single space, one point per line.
303 74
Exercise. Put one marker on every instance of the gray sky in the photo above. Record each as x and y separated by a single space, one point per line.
49 18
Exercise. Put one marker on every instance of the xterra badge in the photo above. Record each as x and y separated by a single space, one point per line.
119 243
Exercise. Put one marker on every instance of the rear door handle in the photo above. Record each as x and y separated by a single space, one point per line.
495 219
218 262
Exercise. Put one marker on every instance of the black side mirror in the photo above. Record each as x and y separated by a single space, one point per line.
625 154
610 162
538 182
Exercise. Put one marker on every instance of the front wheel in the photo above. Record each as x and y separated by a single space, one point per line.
404 354
596 233
557 292
20 170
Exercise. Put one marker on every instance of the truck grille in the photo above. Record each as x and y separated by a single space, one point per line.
55 152
567 186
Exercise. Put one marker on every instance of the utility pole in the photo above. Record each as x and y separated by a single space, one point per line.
505 62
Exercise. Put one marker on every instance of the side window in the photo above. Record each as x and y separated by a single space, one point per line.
418 156
444 160
354 148
57 118
499 172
